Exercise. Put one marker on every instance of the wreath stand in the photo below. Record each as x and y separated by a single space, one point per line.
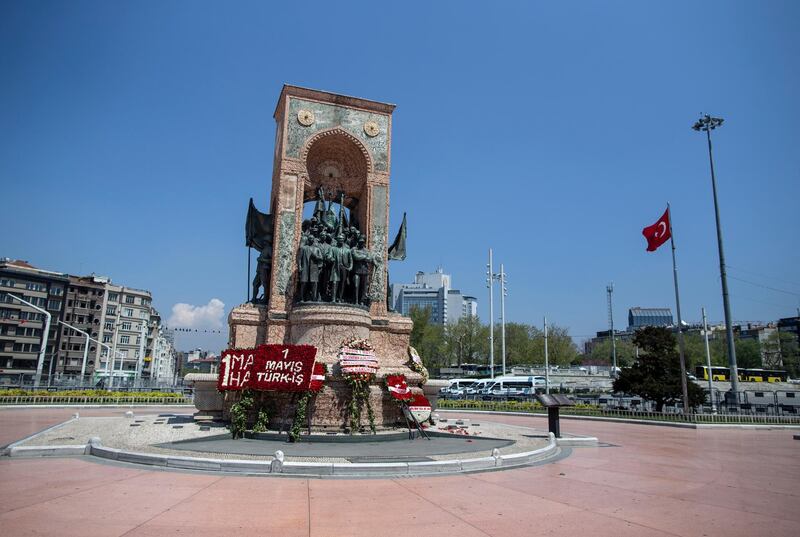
406 413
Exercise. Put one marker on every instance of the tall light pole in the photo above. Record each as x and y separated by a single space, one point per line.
490 285
708 364
707 123
45 334
503 293
546 361
610 291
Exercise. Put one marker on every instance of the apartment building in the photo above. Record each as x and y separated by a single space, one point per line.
22 326
126 330
120 322
85 311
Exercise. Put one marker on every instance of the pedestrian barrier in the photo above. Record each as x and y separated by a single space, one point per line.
72 400
675 417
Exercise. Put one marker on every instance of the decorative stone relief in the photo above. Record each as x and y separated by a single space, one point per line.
286 253
327 116
377 286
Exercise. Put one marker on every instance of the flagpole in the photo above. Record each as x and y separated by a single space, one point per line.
248 274
681 343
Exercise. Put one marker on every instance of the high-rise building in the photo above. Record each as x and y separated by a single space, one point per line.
432 290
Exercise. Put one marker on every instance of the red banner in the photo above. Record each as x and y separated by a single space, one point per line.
267 367
235 369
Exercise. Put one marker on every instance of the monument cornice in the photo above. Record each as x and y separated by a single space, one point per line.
331 98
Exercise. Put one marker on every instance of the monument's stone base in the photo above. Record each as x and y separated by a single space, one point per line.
327 410
327 327
207 399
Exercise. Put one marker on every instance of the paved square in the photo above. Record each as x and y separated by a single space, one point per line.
650 481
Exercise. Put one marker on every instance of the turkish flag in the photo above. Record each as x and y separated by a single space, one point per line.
658 233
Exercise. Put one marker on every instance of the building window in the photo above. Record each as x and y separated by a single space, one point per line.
113 297
32 286
7 283
54 304
127 312
143 315
56 291
106 338
129 299
111 310
145 302
126 325
109 325
125 340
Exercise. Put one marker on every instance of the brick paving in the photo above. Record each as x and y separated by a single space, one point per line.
648 481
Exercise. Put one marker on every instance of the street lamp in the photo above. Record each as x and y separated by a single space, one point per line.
40 364
85 348
503 294
490 284
707 124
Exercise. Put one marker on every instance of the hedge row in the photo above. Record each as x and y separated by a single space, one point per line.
16 392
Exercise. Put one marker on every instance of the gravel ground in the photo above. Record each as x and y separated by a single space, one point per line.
142 433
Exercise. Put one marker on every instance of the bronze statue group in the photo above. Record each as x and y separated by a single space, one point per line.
334 264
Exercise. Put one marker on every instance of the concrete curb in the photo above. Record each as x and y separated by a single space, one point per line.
306 469
48 451
629 420
578 441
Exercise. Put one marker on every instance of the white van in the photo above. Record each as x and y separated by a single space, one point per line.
477 387
512 386
458 387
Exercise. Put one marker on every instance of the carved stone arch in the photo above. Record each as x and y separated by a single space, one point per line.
336 160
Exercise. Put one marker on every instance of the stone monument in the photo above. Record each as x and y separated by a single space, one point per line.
335 149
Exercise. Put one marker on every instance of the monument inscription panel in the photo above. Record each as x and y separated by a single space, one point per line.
285 368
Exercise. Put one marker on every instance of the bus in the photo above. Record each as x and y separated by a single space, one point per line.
719 373
762 375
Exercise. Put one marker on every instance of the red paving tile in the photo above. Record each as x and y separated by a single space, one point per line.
656 481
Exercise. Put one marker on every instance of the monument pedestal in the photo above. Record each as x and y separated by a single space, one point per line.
327 327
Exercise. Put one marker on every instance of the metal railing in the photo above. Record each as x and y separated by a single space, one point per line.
676 417
12 400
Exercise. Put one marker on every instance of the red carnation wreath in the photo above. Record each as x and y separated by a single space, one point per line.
398 388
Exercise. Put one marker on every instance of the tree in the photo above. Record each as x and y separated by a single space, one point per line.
656 374
696 351
626 352
561 350
748 353
466 341
427 337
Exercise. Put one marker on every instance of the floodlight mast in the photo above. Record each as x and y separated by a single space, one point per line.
706 123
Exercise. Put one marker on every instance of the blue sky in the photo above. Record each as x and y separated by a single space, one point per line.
133 134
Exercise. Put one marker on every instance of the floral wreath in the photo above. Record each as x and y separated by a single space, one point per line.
359 366
415 364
